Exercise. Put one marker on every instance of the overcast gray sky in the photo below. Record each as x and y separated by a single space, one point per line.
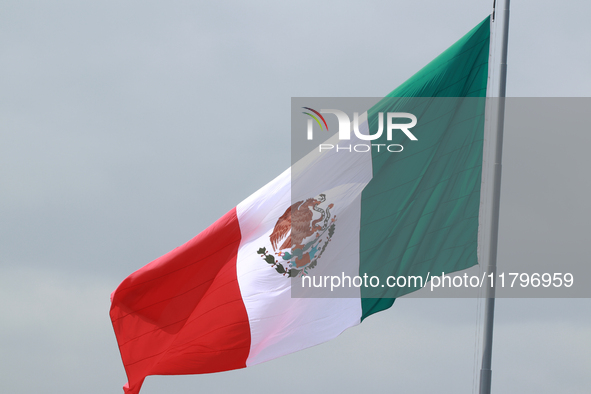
127 127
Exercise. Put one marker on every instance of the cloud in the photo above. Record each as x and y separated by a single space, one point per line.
55 333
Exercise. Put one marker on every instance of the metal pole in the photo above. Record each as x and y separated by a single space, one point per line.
489 309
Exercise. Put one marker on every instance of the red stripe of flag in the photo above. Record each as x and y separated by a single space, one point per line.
183 313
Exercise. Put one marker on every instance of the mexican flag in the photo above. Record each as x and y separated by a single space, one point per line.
244 290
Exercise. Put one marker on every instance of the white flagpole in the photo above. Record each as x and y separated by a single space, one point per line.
485 370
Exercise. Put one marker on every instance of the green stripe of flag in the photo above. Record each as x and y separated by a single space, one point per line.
419 213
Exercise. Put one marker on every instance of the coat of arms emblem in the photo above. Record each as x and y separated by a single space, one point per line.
300 237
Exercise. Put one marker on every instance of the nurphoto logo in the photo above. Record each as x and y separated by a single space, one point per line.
392 125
